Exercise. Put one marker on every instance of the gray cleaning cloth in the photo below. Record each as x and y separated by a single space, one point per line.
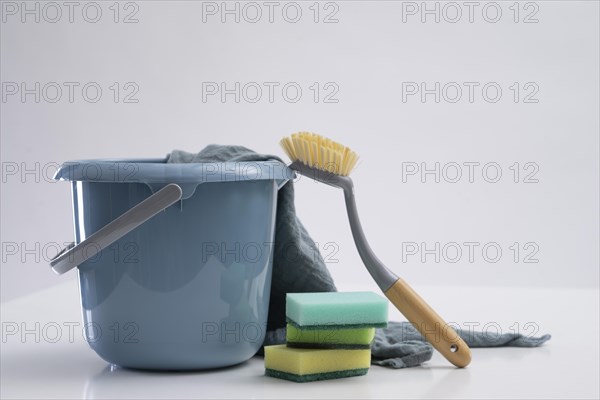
397 346
401 346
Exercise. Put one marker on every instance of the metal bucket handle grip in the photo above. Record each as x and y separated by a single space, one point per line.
73 255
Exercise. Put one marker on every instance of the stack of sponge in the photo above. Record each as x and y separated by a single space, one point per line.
329 336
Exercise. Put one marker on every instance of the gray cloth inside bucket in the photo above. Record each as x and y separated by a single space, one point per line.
397 346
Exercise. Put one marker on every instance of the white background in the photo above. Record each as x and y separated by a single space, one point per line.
372 54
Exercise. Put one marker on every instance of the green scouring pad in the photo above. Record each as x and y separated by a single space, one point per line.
336 310
349 338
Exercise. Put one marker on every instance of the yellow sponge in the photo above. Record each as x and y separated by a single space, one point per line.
305 365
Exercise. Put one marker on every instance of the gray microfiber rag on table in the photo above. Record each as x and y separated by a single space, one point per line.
397 346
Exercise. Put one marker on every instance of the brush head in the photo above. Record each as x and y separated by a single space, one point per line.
320 153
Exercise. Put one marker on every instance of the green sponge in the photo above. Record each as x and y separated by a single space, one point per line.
306 365
332 310
352 338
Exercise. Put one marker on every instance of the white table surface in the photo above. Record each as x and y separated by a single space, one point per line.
565 367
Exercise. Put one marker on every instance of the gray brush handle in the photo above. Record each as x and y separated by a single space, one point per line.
382 276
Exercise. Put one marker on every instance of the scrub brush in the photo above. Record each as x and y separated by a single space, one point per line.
329 162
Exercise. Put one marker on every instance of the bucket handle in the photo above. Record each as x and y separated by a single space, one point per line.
73 255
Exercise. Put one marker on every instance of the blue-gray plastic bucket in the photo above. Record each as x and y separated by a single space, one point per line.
189 288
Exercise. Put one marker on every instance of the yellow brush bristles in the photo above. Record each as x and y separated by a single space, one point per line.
319 152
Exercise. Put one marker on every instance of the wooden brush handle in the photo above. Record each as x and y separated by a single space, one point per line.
429 323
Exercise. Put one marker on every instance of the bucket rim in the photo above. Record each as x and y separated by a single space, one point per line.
158 171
